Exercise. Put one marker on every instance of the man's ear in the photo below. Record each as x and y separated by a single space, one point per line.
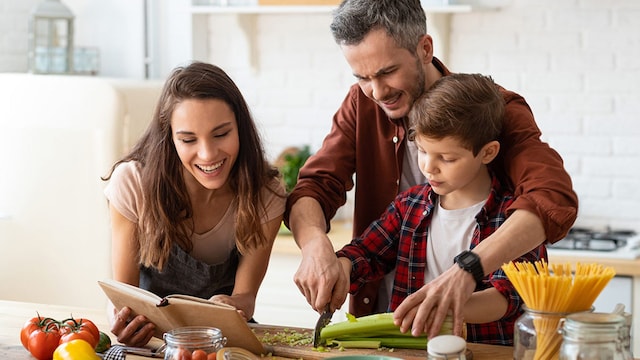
489 151
425 49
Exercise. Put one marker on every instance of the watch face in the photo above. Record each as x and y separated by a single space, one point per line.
466 259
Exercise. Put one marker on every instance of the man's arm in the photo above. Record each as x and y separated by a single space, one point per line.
319 272
520 233
541 184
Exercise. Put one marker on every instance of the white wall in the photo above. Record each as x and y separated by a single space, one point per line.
577 64
574 60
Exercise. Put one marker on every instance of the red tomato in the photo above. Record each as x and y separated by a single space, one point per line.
40 336
31 325
199 355
181 354
212 356
43 342
83 329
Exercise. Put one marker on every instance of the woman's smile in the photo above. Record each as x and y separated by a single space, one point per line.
209 169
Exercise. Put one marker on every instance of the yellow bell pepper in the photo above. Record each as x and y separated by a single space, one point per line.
75 350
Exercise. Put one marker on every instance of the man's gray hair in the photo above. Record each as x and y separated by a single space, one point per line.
403 20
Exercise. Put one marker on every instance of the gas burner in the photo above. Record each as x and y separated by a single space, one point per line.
608 243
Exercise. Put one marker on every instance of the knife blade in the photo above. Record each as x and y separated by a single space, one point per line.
324 320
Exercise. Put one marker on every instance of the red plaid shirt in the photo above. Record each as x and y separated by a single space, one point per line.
398 239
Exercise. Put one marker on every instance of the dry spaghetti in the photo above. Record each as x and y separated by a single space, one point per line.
556 290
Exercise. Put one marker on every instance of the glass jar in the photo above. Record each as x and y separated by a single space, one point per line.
189 339
535 330
626 333
446 347
594 336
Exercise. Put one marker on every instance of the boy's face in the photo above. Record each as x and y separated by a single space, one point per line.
451 168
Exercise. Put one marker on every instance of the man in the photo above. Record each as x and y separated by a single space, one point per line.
390 53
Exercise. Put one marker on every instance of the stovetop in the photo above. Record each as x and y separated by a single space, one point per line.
581 241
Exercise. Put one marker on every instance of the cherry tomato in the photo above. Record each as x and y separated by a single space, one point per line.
181 354
199 355
212 356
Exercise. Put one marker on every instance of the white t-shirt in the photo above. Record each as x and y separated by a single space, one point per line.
450 233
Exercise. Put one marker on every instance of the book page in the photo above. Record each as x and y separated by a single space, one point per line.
183 310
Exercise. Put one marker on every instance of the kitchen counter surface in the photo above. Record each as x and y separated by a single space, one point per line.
14 314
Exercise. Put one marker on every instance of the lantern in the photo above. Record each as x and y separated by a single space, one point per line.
51 38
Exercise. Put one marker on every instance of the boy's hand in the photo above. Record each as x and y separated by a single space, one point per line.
425 310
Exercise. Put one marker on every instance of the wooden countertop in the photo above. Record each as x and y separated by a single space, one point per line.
14 314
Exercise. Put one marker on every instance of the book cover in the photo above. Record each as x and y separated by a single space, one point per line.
178 310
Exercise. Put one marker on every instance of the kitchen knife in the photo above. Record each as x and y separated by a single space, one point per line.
324 320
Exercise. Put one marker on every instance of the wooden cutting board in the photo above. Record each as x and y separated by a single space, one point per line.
308 352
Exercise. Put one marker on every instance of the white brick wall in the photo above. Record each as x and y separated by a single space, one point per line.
13 34
575 61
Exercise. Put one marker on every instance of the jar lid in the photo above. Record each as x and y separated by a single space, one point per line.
596 318
446 344
194 336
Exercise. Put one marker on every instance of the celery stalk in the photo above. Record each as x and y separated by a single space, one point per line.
389 342
378 328
364 324
361 343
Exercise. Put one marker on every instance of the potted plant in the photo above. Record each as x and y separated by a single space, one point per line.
289 163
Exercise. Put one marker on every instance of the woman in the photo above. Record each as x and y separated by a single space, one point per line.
195 207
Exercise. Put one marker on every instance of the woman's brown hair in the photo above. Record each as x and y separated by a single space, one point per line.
167 216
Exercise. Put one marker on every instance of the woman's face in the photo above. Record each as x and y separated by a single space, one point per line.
205 134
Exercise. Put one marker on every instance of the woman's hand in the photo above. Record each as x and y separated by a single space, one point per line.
129 331
236 301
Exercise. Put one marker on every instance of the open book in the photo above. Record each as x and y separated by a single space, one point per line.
175 311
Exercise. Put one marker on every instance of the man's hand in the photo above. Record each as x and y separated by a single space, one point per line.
425 310
320 277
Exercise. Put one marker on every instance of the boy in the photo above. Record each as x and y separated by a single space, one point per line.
455 125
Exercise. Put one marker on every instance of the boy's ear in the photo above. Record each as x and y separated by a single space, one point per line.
489 151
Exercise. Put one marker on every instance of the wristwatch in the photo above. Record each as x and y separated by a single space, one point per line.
470 262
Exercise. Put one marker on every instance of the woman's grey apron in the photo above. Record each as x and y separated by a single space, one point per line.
185 275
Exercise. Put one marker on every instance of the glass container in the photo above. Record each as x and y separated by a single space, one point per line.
51 38
181 343
594 336
535 334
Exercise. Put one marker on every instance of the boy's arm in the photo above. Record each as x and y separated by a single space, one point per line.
485 306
